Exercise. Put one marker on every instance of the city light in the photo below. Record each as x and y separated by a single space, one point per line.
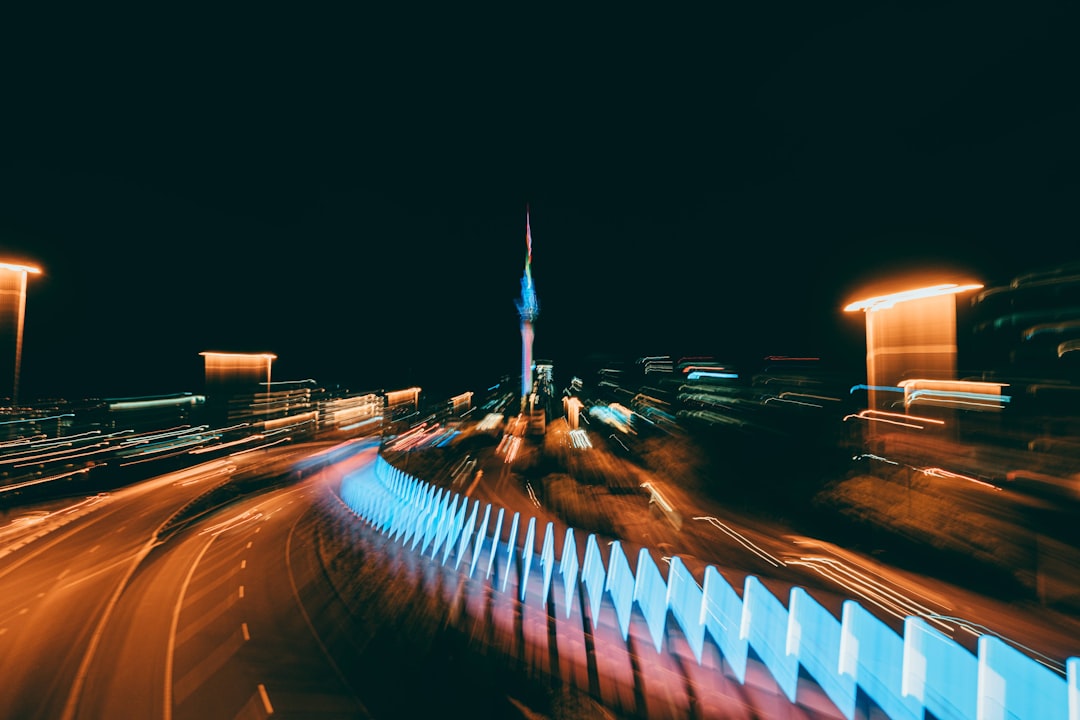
239 368
909 329
13 277
883 302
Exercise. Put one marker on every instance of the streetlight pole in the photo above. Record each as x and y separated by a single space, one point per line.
13 293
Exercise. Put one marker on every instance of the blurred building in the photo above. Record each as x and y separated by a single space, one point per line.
403 400
1031 327
350 412
233 380
152 412
461 403
1027 335
572 409
544 380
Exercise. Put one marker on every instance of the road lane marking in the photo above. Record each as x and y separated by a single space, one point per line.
241 591
172 629
243 564
303 611
244 629
99 631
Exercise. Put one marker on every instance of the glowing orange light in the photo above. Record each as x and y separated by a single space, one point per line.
968 394
20 268
13 307
239 358
882 302
919 330
229 367
942 473
410 395
902 419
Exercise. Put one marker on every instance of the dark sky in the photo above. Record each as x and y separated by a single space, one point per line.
348 191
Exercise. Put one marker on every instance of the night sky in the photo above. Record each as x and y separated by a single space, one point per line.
348 191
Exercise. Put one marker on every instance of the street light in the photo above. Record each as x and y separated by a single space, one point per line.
13 306
883 302
912 328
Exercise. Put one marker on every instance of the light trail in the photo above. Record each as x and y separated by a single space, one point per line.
743 540
244 518
859 583
976 629
532 494
884 417
942 473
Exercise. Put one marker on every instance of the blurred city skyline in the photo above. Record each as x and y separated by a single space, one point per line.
715 185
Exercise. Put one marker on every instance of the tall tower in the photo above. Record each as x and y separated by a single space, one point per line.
528 308
12 314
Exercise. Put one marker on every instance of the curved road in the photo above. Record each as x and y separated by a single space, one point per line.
99 618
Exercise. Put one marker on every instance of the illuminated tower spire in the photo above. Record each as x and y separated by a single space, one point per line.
528 308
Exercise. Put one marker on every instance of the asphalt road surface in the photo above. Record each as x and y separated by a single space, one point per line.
102 618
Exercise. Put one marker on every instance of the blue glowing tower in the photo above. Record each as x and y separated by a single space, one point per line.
528 308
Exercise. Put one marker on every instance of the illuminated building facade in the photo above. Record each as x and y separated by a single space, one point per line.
233 379
407 398
461 403
572 409
528 308
237 371
544 382
12 315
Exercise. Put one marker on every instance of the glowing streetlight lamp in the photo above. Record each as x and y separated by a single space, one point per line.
13 314
908 330
884 302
